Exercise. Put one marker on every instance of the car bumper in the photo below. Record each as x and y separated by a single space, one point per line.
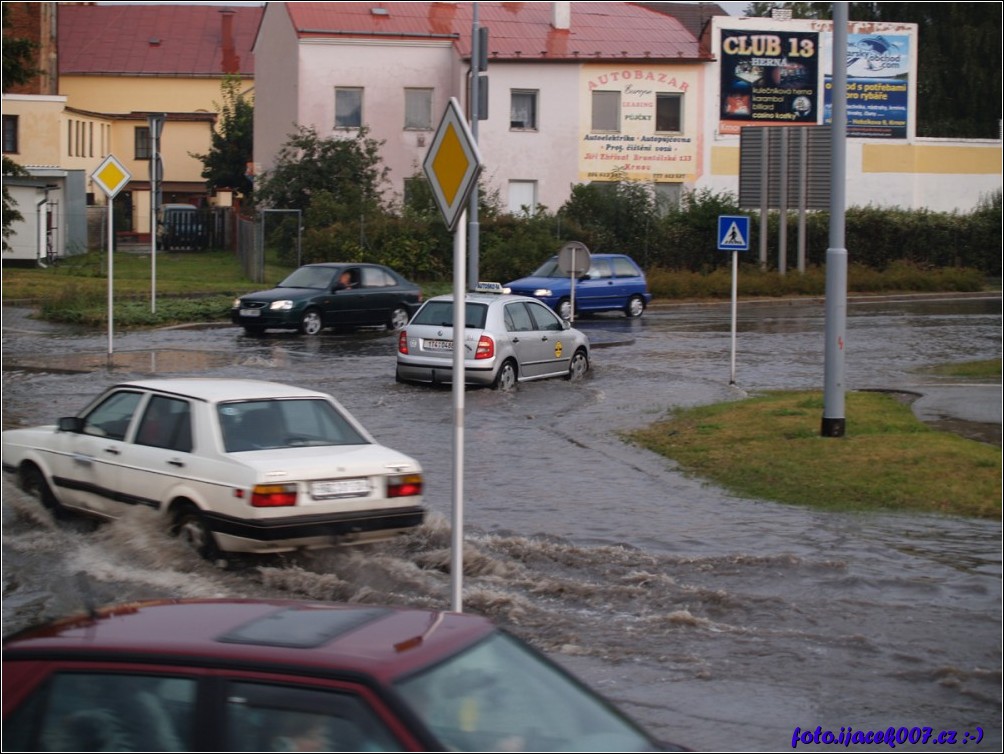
442 373
266 320
310 532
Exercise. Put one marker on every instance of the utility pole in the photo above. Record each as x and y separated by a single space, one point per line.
479 111
834 422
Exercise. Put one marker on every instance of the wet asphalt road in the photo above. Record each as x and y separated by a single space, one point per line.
721 623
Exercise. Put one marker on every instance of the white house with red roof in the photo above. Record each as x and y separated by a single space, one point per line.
577 91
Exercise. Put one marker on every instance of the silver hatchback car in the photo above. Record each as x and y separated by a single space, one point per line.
508 339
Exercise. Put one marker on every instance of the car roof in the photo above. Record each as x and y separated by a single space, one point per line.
485 298
601 256
313 638
345 264
221 389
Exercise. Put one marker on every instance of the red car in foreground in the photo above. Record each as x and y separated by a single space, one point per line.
243 675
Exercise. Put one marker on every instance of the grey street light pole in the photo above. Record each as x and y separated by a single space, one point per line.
834 422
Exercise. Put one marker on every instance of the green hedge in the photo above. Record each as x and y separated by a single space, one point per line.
625 219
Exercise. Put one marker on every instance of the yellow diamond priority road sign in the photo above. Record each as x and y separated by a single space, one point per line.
453 164
111 176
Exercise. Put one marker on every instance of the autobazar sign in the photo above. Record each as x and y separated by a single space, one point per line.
648 132
768 78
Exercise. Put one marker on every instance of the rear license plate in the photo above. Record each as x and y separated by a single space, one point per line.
340 488
439 345
250 312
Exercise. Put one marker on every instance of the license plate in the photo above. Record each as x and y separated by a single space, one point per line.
250 312
439 345
340 488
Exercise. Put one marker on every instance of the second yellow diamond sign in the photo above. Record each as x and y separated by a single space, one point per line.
453 164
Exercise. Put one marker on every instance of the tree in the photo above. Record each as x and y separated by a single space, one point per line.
18 68
959 60
612 217
232 148
347 171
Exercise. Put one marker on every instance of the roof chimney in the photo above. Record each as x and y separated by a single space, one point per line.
230 62
561 15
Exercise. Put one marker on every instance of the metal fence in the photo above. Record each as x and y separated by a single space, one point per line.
250 249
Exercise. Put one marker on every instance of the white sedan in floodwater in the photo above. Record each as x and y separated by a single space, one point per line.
233 465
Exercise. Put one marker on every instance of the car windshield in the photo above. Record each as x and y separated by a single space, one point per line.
549 270
284 423
501 696
440 314
309 277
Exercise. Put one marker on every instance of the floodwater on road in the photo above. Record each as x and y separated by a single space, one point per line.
721 623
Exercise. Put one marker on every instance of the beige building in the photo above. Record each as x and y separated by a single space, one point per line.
107 68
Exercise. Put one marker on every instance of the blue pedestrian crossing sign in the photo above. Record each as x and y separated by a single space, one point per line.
733 233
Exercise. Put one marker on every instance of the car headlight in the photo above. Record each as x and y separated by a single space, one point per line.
542 292
236 304
284 305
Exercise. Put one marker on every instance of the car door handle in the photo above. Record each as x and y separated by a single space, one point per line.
176 462
112 451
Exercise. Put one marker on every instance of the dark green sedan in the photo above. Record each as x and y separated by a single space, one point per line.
316 296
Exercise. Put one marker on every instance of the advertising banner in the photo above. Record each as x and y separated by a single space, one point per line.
878 85
640 123
768 78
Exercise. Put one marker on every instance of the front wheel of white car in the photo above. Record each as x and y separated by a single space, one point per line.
579 366
34 483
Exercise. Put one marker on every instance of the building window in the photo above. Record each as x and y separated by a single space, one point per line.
606 111
418 109
523 111
69 138
10 134
523 197
348 107
667 197
669 112
143 150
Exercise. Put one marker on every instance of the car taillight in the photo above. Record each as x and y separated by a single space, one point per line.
404 486
273 495
486 348
402 342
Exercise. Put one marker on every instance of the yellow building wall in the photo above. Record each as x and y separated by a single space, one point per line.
930 158
38 123
124 94
178 140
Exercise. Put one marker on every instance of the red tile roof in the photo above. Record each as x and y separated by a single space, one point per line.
164 40
517 31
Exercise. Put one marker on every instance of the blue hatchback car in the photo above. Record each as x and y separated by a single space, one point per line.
614 283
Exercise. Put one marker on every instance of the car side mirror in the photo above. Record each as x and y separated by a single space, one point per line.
71 424
565 324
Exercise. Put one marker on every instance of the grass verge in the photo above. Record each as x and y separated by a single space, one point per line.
770 447
989 369
76 290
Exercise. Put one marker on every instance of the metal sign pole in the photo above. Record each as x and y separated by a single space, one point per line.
735 298
111 273
459 380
